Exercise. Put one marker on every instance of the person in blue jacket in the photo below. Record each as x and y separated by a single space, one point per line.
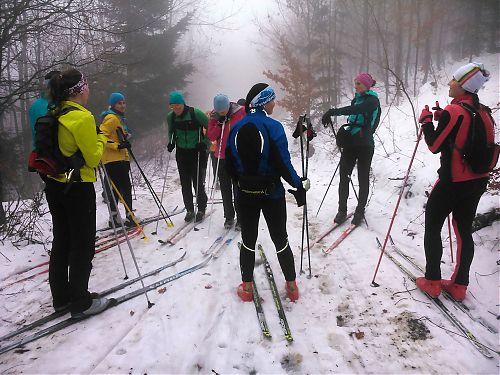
364 116
257 158
40 106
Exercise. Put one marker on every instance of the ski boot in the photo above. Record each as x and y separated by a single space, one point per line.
245 291
431 287
292 291
457 291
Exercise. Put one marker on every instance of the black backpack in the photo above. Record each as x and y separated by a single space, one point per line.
47 158
480 156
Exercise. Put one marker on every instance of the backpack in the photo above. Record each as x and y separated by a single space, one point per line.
47 158
480 156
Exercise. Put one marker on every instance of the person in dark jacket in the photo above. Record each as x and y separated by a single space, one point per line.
257 158
364 116
186 128
458 189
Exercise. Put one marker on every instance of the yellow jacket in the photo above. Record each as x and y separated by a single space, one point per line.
77 131
110 124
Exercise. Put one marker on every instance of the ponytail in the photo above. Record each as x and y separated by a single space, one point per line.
60 84
475 101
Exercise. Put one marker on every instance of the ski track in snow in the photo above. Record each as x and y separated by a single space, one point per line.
340 324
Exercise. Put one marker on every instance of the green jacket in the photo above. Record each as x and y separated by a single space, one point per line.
185 132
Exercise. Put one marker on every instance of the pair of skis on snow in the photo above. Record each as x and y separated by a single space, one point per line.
277 301
222 243
339 239
183 230
484 350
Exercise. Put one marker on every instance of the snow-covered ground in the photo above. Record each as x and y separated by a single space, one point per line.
341 324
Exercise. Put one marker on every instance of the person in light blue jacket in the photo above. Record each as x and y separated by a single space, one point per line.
40 106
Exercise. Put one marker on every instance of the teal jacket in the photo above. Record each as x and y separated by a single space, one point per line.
364 115
38 109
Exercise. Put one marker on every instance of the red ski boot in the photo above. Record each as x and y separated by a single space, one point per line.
457 291
245 291
292 291
431 287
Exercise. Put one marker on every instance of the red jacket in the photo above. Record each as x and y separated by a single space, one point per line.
236 113
450 136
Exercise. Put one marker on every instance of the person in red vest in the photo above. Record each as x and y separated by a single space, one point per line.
458 188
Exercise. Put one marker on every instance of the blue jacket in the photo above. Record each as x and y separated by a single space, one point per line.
38 109
274 159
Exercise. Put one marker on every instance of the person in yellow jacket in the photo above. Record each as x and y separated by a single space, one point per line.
116 158
73 210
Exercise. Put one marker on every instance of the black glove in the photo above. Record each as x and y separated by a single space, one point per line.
300 196
326 120
124 144
201 147
170 147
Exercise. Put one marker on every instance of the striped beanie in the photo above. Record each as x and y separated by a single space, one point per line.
471 77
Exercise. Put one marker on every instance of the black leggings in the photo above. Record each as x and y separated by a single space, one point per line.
460 198
274 211
187 165
363 155
227 187
118 172
73 247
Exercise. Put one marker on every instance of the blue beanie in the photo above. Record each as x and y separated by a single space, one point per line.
221 103
115 97
176 97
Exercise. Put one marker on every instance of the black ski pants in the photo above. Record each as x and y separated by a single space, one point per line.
350 155
73 247
227 188
118 172
461 199
187 165
274 211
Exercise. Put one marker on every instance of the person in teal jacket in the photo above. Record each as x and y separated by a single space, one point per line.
187 128
364 116
40 106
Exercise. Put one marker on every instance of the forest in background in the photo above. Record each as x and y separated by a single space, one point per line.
133 46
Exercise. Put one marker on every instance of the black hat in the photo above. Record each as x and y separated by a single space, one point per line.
254 91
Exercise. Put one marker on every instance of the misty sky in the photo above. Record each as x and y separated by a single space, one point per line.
236 62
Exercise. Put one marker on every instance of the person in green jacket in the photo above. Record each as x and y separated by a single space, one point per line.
187 127
40 106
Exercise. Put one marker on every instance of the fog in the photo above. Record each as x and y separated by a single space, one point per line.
235 59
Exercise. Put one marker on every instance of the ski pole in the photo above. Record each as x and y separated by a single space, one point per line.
401 190
148 184
127 208
451 240
216 175
108 204
163 190
328 188
299 132
150 304
132 183
197 179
